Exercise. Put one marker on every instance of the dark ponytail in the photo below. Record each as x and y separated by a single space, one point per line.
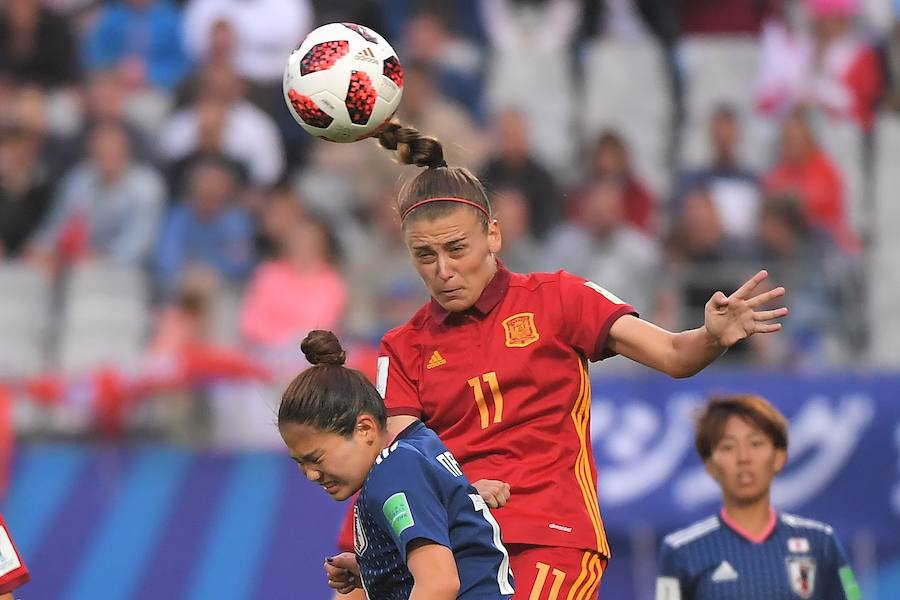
438 180
328 396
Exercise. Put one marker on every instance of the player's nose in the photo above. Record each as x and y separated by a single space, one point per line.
311 474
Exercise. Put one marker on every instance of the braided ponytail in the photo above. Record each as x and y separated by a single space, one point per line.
438 180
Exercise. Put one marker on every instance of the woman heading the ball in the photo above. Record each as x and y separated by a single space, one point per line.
422 531
496 365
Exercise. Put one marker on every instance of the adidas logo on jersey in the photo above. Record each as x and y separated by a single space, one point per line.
367 55
436 360
725 572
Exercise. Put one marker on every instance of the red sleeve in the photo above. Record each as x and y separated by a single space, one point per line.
345 535
588 312
13 572
395 382
865 79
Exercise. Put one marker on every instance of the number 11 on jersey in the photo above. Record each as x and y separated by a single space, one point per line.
491 380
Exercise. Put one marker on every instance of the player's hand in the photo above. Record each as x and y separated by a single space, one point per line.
495 493
730 319
342 572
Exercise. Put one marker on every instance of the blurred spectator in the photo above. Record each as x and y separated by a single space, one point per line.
455 62
811 266
704 256
825 65
222 121
385 289
187 321
520 251
105 102
207 229
804 170
297 292
423 107
25 189
283 209
610 160
37 46
265 32
142 40
601 245
512 166
733 187
108 207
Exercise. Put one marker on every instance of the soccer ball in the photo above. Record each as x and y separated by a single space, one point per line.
343 82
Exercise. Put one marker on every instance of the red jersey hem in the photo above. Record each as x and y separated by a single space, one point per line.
600 350
408 411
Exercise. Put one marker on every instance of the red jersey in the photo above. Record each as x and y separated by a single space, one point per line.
505 386
12 570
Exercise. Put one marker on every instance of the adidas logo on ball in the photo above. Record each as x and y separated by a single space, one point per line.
366 55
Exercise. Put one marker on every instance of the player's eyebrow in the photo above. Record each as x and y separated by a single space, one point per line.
307 457
454 241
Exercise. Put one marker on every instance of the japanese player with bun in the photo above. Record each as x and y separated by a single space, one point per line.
749 551
496 365
422 532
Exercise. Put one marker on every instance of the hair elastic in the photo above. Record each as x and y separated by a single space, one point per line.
416 205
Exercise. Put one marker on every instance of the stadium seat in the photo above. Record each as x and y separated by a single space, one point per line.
105 317
25 314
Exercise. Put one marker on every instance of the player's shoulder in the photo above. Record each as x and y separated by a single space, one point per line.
413 325
543 281
692 533
802 524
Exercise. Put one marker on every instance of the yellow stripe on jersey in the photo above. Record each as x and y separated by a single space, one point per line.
597 571
595 504
581 416
580 582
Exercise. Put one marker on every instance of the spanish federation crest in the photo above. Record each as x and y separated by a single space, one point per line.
802 575
360 541
520 330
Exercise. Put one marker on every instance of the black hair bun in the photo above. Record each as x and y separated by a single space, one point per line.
322 347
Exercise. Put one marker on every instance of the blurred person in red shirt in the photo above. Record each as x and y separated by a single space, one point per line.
804 170
610 160
816 56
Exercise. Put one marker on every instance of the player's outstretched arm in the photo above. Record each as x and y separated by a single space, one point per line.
728 320
434 571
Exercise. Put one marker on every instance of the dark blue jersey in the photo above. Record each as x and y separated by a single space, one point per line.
798 559
416 490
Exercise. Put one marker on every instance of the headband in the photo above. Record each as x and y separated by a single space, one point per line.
416 205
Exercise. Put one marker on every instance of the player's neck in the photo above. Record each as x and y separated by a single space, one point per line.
753 520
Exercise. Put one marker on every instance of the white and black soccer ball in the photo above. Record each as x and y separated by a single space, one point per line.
343 82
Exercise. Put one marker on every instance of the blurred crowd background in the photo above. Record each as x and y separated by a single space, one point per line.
167 230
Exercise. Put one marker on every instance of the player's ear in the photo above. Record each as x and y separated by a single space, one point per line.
780 460
495 240
711 469
367 427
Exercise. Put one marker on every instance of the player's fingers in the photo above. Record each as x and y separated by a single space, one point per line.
344 560
718 302
765 297
743 292
768 315
768 327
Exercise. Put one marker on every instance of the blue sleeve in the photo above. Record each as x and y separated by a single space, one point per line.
671 578
839 581
236 260
170 249
405 494
168 62
103 45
